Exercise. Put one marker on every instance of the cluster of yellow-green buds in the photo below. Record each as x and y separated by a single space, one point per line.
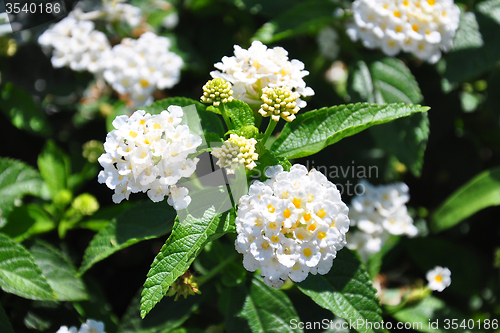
235 151
85 204
279 102
217 91
8 47
185 285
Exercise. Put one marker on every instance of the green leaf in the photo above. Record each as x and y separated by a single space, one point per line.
27 220
476 48
269 158
388 80
199 122
304 18
431 310
314 130
16 180
480 192
267 309
142 221
19 273
346 290
59 272
54 166
240 113
165 317
181 248
5 326
22 111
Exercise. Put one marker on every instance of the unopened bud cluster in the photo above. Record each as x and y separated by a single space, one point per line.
217 91
185 285
235 151
279 102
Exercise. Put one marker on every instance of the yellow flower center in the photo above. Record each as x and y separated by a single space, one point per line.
286 213
321 213
307 252
321 235
271 209
133 134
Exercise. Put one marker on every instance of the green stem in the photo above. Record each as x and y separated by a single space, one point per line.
224 114
270 128
216 270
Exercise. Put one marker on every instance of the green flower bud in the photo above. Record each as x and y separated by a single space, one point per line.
8 46
185 285
279 102
92 150
217 91
63 197
85 204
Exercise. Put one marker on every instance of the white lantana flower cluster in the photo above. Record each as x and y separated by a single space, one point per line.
439 278
90 326
115 10
378 213
291 225
137 67
235 151
422 27
258 67
149 153
76 44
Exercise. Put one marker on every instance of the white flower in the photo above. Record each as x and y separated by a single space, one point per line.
76 44
378 213
328 43
422 27
439 278
65 329
149 153
291 226
258 67
137 67
116 11
92 326
235 151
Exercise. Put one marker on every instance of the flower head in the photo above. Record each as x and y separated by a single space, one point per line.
149 153
258 67
439 278
378 213
217 91
236 151
422 27
291 225
279 102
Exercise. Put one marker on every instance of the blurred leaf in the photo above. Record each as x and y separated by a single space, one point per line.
5 326
267 309
476 49
406 139
54 166
304 18
480 192
27 220
59 272
385 80
388 80
142 221
431 310
16 180
181 248
466 265
19 273
346 290
166 316
375 261
19 107
312 131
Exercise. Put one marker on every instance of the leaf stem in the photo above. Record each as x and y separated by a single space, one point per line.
216 270
270 128
224 114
